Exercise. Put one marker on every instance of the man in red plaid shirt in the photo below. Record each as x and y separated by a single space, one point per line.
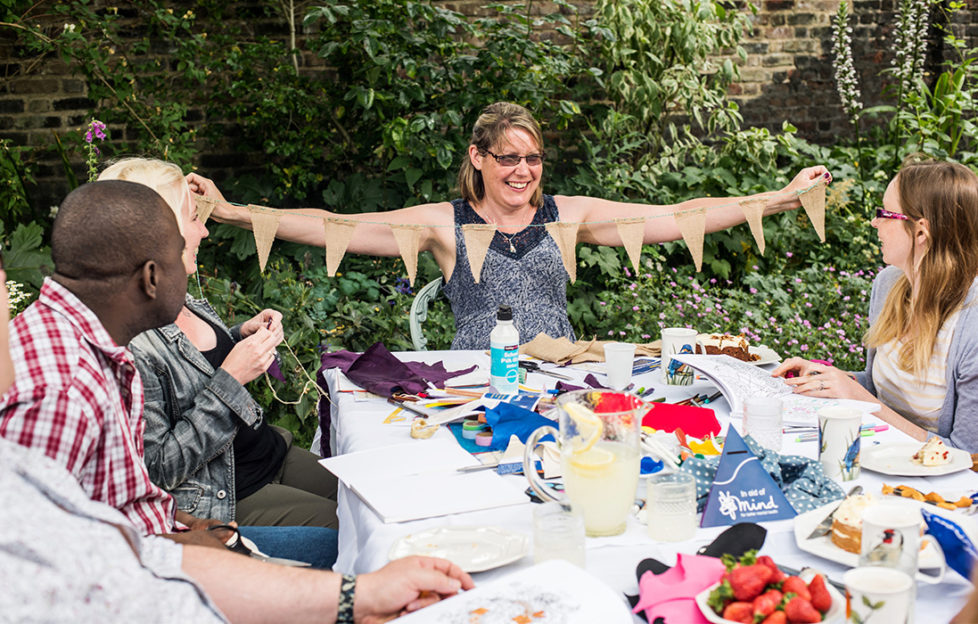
77 396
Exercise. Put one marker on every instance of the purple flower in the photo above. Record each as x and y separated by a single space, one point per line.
788 254
96 130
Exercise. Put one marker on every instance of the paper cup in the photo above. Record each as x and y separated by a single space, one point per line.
618 358
839 442
677 340
878 596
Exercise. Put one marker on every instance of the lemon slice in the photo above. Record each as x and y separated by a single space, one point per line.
593 459
589 427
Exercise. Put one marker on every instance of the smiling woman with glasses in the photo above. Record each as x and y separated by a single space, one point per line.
500 181
922 345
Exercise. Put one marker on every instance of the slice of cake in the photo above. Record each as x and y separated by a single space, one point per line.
847 523
932 453
726 344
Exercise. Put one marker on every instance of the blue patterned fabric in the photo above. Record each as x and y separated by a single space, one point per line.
530 277
801 479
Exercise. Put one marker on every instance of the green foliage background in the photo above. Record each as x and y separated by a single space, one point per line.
632 98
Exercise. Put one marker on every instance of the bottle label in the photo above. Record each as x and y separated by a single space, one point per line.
504 364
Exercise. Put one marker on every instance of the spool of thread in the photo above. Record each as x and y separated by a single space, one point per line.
484 438
470 429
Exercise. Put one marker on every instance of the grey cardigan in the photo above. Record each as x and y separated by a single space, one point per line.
957 424
192 414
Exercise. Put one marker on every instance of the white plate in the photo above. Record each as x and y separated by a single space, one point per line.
474 549
835 613
894 459
766 354
823 546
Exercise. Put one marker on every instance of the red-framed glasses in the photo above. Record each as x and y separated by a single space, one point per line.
883 213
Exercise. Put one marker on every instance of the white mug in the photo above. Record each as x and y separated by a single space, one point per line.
878 596
839 441
677 340
892 538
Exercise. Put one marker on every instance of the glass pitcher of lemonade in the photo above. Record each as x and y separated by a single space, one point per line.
599 456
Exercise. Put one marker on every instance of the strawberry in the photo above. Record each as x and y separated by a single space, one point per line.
739 612
766 603
778 575
801 611
794 585
821 599
778 617
749 581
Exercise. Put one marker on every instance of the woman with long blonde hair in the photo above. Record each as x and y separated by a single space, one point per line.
922 345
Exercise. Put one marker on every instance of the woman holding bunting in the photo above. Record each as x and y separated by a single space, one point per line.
922 345
207 441
500 180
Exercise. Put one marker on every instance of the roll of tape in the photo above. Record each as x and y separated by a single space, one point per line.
483 438
470 434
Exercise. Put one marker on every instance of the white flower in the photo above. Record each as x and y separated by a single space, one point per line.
69 28
846 81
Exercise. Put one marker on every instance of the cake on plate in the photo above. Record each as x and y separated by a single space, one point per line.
932 453
847 523
726 344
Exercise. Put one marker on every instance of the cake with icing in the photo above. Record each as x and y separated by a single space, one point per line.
847 523
726 344
932 453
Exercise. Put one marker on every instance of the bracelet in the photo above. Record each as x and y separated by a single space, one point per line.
344 608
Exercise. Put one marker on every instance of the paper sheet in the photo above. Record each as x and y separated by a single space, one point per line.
553 592
420 480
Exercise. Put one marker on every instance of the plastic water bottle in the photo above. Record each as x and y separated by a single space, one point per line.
504 350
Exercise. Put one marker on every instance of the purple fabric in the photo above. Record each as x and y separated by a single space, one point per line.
592 381
563 386
380 372
275 370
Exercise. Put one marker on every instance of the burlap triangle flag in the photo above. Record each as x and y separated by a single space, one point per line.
338 235
565 235
264 223
205 206
754 211
692 224
632 233
813 200
477 236
408 238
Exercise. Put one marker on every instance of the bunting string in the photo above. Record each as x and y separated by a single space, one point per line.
691 223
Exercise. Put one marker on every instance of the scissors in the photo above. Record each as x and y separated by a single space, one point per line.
535 368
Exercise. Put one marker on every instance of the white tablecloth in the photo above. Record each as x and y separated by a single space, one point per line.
364 540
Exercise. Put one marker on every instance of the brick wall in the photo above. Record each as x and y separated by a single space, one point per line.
788 75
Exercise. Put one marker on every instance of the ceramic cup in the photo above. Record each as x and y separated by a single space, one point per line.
878 596
839 442
618 358
892 538
677 340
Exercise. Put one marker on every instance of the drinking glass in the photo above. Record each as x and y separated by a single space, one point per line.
762 421
670 507
558 533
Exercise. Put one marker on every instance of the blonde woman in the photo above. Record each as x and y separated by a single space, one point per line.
207 441
501 183
922 356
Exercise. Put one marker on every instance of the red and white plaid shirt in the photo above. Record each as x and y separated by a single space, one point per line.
78 398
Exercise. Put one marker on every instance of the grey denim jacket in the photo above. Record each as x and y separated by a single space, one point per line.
192 414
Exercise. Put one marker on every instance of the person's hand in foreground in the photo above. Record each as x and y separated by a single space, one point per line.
820 380
267 318
253 355
406 585
199 185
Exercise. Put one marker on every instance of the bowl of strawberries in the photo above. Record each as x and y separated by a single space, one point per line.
755 591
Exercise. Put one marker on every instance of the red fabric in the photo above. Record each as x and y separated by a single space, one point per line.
697 422
78 398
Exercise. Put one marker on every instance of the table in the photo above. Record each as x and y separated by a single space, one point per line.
364 540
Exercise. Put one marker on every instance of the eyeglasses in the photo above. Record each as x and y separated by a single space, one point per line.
511 160
883 213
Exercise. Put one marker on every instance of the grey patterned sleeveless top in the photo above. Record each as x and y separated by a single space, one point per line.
522 270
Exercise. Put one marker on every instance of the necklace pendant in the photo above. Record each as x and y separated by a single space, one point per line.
511 248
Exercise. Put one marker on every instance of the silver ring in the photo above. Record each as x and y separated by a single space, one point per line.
821 386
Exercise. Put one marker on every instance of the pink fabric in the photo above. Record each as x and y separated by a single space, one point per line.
671 595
